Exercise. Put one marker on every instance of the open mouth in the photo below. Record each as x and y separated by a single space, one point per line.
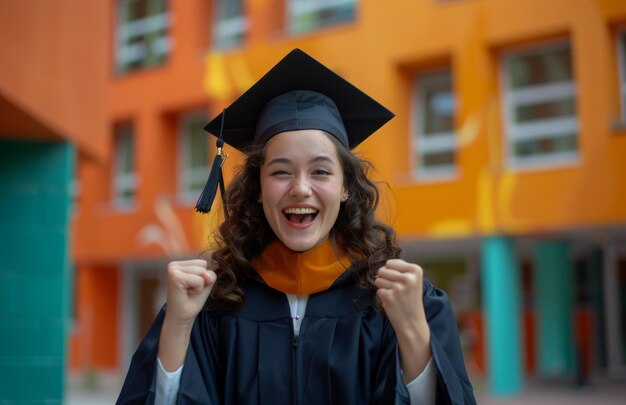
300 215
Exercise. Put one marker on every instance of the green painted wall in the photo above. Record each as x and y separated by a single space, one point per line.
554 299
34 270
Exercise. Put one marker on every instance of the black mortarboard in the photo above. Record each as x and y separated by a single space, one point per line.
297 93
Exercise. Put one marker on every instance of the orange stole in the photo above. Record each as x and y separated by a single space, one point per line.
300 273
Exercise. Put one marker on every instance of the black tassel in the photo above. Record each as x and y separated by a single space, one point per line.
205 201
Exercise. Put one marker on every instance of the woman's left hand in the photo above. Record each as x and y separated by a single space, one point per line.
400 287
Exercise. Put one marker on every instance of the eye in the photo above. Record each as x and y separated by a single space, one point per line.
321 172
280 172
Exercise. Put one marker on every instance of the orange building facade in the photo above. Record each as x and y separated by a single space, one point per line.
506 156
52 109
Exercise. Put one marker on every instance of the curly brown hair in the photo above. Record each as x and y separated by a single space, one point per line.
245 231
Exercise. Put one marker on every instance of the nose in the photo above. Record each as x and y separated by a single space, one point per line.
300 187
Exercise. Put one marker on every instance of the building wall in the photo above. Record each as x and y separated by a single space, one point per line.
54 71
150 99
35 275
52 101
387 46
96 319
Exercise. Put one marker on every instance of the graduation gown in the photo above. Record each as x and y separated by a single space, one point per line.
346 352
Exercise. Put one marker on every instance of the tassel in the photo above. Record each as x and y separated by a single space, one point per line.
205 201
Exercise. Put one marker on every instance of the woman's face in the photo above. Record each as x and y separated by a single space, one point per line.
302 187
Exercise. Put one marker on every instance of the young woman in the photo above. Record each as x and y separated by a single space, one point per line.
305 300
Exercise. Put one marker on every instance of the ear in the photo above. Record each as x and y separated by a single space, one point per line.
344 194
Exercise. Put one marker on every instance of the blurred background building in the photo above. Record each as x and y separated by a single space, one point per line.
52 109
505 166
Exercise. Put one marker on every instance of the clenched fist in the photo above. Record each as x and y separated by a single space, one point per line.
189 284
400 285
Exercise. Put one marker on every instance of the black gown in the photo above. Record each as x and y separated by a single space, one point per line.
346 353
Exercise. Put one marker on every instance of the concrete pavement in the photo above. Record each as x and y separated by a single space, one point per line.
103 390
544 392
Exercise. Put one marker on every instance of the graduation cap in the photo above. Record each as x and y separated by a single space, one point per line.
297 93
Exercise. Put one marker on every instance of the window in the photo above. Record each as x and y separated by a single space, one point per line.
308 15
621 54
435 109
193 155
142 38
230 24
124 175
540 106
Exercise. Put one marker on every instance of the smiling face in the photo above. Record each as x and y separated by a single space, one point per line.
302 187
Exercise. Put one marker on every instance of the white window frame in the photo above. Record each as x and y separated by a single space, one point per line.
124 181
434 142
541 128
296 8
227 31
621 64
125 53
186 175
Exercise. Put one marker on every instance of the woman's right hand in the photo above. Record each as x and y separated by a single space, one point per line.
189 284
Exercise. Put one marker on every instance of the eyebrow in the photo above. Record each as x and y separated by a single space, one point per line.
320 158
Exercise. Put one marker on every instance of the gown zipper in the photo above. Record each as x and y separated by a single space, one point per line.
294 363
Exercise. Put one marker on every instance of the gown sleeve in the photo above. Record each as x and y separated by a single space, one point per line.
453 385
196 387
140 383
